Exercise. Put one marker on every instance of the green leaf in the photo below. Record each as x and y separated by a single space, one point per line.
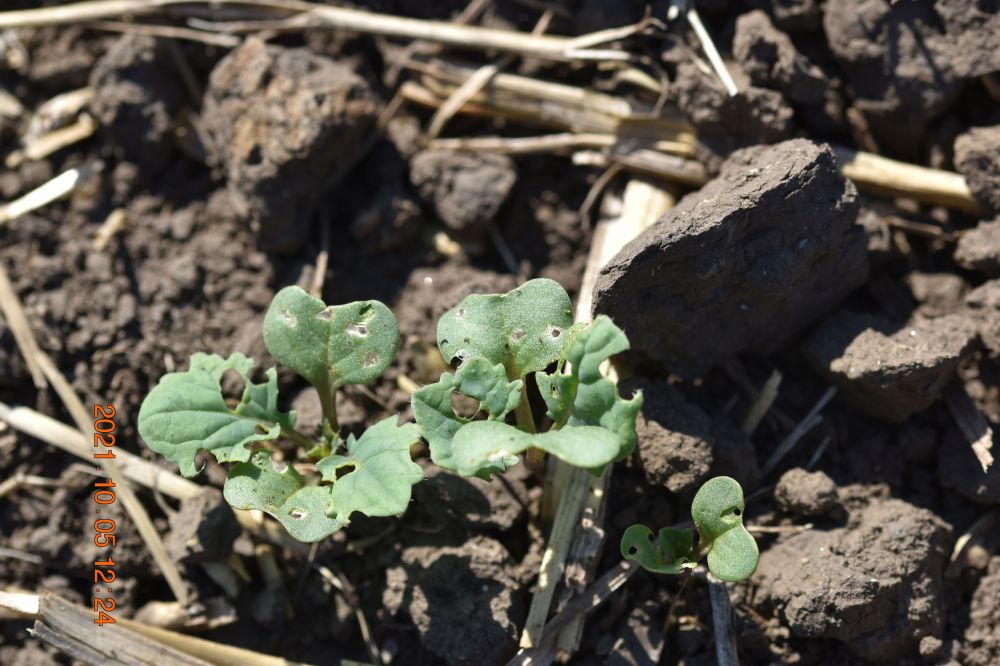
437 422
330 345
524 330
671 553
482 444
578 394
186 413
717 510
479 379
436 418
383 472
280 491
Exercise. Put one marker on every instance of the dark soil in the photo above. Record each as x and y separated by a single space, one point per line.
778 220
236 168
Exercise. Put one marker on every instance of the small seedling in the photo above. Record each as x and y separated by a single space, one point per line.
330 346
502 339
717 511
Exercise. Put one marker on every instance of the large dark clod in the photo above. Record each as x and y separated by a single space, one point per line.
886 371
973 30
680 445
983 304
875 584
979 249
742 265
770 59
466 190
136 96
464 601
284 123
726 123
896 63
982 637
977 157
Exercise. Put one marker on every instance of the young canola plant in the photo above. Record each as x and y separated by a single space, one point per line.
498 340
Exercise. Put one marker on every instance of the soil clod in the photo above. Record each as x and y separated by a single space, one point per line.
888 371
281 121
863 583
977 157
136 98
982 638
203 530
805 494
771 60
742 265
466 190
478 626
979 249
896 63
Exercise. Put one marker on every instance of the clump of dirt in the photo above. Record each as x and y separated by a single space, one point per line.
771 60
805 494
896 63
681 445
982 638
203 530
972 27
478 626
725 123
983 303
285 123
979 249
887 371
135 101
977 157
875 584
466 190
742 265
938 294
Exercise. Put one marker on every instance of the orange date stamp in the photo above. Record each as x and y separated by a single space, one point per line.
105 536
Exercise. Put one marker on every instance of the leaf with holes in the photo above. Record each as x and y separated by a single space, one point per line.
523 330
438 422
330 346
478 378
278 490
578 394
436 418
717 510
381 475
670 553
186 413
482 445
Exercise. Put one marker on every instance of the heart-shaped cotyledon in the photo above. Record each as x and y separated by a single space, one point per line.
717 510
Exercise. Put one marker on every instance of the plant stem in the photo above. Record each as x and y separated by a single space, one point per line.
298 438
525 421
523 415
328 402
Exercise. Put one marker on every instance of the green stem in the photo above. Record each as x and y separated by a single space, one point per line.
328 402
298 438
525 420
522 413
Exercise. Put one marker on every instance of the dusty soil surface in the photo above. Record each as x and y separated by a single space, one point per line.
235 168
